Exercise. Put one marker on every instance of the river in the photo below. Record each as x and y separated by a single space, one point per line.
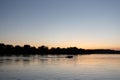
57 67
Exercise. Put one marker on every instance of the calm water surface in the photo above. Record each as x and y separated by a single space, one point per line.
80 67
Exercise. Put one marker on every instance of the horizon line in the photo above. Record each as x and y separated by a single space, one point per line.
63 47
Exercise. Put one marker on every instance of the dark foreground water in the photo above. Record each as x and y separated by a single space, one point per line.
80 67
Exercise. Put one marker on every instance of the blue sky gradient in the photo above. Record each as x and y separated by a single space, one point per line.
61 23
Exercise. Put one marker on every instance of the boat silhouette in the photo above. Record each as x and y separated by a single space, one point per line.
69 56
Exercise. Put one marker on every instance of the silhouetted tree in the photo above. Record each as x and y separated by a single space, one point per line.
2 49
43 50
18 50
9 49
27 50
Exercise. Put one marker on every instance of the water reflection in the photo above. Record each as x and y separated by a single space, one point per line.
54 67
61 59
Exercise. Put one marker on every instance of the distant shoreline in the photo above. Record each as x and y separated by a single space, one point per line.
43 50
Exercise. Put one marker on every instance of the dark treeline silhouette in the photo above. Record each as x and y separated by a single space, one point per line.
6 50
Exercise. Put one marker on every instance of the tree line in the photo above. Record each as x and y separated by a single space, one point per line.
44 50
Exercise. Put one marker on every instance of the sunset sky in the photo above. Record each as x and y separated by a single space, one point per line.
88 24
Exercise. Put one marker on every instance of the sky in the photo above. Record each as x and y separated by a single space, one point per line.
89 24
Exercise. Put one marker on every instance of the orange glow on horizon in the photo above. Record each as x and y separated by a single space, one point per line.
66 44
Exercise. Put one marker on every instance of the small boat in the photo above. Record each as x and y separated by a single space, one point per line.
70 56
